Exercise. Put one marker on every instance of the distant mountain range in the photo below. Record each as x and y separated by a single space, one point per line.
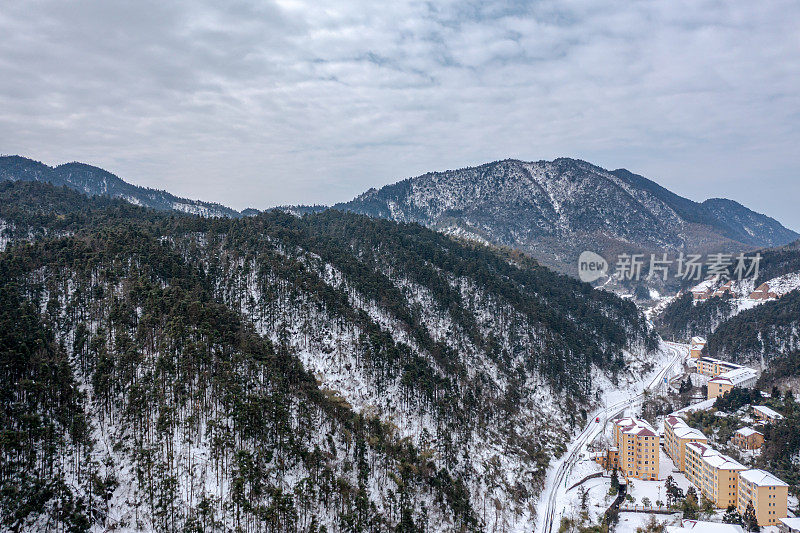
556 209
95 181
552 210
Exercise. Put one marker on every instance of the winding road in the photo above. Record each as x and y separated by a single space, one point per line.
555 485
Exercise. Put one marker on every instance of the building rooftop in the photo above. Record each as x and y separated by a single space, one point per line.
696 526
748 431
635 426
698 340
736 376
700 406
791 523
726 364
769 413
762 478
703 449
673 421
723 462
689 433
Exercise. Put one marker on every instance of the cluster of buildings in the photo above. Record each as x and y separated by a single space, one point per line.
722 479
724 375
704 291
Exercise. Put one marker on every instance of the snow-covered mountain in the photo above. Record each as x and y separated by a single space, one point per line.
95 181
276 373
556 209
552 210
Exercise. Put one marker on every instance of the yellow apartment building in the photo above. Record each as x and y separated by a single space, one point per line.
721 480
767 493
638 445
677 434
708 366
739 377
695 453
714 474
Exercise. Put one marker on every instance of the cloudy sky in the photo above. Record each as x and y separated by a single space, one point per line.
266 103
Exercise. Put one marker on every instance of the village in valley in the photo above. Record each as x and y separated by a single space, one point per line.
685 458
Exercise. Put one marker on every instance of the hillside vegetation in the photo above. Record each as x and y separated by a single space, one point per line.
278 373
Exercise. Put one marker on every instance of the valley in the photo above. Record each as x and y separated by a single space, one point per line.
276 372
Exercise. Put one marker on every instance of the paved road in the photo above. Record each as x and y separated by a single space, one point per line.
555 485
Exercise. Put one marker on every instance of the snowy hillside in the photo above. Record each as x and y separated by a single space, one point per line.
329 370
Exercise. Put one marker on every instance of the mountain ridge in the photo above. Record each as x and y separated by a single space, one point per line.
552 210
96 181
555 209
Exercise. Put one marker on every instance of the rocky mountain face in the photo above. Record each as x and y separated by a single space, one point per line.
98 182
274 373
556 209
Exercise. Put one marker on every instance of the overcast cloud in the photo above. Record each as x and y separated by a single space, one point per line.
259 104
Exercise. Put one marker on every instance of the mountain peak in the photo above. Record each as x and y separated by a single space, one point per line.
555 209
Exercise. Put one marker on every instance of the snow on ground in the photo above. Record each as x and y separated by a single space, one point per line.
618 399
4 239
628 522
705 285
598 499
658 307
698 379
785 284
654 490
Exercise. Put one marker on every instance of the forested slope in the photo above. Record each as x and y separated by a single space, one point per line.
761 334
280 373
683 319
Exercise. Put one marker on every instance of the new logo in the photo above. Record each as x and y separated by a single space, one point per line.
591 267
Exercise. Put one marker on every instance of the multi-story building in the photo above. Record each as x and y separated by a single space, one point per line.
767 494
748 439
765 414
739 377
714 474
677 434
721 479
695 453
638 445
708 366
698 343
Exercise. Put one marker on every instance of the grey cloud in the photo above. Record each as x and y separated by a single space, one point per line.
257 104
